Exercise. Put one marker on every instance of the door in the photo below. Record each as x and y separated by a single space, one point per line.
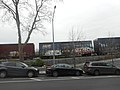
108 68
15 69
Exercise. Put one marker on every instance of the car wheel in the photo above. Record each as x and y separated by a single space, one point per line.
55 74
30 74
117 72
77 73
3 74
96 73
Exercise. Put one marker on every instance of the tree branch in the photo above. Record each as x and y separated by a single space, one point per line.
9 9
34 21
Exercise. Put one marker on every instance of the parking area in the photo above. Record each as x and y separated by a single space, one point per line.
42 76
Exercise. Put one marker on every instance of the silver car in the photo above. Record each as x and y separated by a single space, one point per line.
99 68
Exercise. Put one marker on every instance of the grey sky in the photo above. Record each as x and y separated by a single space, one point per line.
95 18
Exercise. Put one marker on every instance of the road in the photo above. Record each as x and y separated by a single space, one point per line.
62 83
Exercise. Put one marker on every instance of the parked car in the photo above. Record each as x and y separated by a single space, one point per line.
17 69
63 69
99 68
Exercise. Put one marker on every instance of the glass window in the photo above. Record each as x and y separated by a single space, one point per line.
20 65
109 65
68 66
62 66
95 64
11 64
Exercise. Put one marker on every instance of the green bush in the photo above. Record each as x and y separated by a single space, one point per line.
38 63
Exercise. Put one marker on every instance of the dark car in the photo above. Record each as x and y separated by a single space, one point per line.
62 69
99 68
17 69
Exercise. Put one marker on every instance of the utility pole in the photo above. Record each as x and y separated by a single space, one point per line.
53 35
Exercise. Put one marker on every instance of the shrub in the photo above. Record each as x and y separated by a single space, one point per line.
37 62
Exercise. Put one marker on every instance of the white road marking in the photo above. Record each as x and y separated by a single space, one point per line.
20 78
57 79
96 77
19 81
36 79
75 77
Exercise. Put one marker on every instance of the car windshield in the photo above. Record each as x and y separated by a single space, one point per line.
24 64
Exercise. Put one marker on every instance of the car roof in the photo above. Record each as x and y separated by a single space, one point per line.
97 62
5 62
59 64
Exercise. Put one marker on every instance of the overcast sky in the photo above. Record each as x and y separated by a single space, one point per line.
94 18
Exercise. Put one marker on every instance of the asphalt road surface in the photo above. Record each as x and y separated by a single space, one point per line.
62 83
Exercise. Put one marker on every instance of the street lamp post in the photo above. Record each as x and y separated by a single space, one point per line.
53 35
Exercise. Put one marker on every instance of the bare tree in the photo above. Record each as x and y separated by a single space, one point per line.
75 36
29 15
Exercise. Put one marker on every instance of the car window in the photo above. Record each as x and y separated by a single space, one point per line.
10 64
109 65
19 65
99 64
62 66
59 66
25 65
55 66
95 64
102 64
68 66
3 63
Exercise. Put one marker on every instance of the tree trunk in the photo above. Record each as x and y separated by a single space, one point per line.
74 61
21 54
